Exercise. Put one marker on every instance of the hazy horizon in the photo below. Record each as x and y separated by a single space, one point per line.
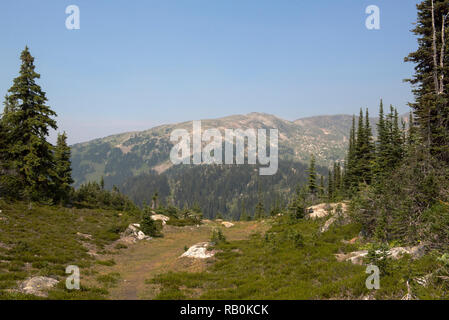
135 66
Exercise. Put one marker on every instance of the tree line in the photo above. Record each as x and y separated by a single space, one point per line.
399 182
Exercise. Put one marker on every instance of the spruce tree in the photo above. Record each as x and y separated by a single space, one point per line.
63 171
28 119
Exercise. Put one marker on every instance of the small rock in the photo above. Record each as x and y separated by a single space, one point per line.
160 217
142 236
227 224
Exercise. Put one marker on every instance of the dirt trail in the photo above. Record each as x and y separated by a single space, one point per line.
146 259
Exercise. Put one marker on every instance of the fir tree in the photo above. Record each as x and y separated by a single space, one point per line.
312 184
363 151
430 87
63 170
28 119
350 180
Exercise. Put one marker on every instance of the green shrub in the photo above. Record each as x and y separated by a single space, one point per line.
217 237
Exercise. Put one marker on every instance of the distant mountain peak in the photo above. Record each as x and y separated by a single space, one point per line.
132 153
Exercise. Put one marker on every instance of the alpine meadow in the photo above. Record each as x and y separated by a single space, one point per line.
344 205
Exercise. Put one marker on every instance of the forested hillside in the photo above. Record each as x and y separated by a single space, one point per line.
130 154
229 191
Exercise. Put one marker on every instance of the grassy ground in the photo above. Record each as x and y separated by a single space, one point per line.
43 241
273 259
293 261
146 259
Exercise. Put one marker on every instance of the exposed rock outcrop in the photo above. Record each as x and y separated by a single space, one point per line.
132 234
325 209
357 257
199 251
37 286
337 212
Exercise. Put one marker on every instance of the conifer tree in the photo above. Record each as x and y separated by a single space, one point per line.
322 188
63 171
364 150
430 85
330 186
382 144
312 184
28 119
411 133
260 208
350 180
243 215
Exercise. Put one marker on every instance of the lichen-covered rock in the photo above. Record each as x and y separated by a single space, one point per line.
199 251
38 286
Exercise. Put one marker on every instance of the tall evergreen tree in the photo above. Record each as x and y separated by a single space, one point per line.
322 188
312 183
28 119
259 211
330 185
430 85
364 150
350 180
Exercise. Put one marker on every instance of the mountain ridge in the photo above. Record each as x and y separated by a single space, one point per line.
127 154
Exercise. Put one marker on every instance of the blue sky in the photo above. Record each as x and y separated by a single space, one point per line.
137 64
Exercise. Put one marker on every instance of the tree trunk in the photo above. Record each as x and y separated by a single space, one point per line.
443 48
